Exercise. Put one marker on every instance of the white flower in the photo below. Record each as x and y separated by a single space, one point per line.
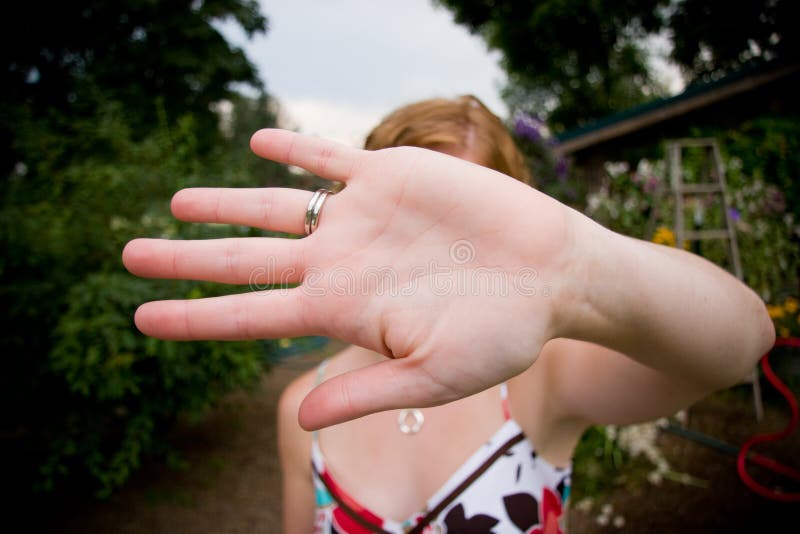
602 520
640 439
615 168
644 167
593 203
682 416
619 521
584 505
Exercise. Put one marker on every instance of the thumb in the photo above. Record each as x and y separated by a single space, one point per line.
381 386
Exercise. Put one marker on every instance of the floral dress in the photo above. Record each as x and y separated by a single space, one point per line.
503 487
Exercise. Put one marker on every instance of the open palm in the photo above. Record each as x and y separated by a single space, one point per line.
448 268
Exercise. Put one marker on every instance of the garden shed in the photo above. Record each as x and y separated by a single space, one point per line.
727 102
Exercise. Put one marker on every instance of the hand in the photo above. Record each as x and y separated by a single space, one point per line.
449 269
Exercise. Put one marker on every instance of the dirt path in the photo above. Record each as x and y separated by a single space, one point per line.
231 480
725 504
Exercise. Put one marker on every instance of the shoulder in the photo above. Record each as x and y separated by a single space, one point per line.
294 443
293 394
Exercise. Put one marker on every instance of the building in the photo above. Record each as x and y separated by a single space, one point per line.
726 102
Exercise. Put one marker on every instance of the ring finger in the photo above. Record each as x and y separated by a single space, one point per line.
271 208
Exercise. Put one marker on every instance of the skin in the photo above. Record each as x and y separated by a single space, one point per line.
621 330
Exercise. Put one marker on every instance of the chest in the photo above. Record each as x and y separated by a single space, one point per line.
503 481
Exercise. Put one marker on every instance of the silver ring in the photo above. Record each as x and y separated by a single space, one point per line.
314 208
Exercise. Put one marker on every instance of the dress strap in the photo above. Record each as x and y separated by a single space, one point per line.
320 374
321 371
504 401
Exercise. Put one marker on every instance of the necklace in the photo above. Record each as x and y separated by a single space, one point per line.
410 421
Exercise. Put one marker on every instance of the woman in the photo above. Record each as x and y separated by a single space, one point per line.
490 325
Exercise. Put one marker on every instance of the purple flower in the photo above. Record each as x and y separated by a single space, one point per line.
561 168
650 185
530 127
734 214
775 202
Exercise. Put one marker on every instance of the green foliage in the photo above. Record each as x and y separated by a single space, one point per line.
763 163
86 396
760 162
711 39
69 59
127 388
628 199
551 172
768 148
597 464
573 61
105 112
609 457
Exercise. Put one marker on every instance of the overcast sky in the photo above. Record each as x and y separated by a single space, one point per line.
338 66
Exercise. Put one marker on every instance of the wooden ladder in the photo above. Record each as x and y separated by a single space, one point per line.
716 186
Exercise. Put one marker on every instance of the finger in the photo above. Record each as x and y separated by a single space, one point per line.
327 159
382 386
254 261
277 209
257 315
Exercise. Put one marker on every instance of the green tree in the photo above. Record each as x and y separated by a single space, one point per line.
571 60
67 59
85 397
714 37
577 60
105 114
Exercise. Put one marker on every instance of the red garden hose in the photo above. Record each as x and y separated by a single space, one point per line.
743 456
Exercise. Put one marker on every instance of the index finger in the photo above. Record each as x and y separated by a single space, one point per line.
323 157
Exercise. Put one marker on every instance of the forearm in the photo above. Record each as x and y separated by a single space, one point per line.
664 307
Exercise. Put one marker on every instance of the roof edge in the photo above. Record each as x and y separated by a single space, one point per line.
692 98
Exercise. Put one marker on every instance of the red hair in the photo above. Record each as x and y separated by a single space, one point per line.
453 126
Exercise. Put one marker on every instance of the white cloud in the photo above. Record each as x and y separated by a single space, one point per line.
340 122
338 66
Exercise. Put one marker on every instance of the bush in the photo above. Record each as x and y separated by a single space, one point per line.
86 397
638 202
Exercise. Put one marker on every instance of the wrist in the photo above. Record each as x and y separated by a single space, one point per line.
586 277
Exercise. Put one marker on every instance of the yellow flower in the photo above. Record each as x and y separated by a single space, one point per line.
776 312
790 305
783 332
664 236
